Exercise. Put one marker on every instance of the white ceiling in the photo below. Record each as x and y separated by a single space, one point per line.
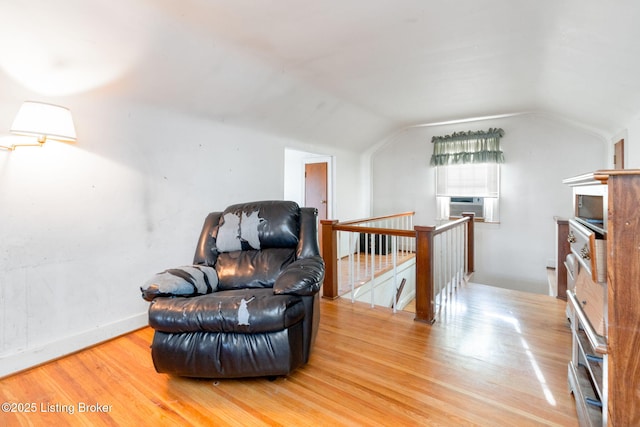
339 72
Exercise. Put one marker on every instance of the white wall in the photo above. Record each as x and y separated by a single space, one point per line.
540 152
631 144
171 125
83 225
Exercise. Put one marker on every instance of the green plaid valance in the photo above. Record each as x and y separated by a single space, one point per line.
467 147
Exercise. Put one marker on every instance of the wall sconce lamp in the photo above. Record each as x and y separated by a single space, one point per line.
42 121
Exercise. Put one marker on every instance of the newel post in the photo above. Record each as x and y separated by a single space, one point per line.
563 248
424 274
329 238
470 242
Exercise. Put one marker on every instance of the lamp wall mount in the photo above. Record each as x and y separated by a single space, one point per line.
12 147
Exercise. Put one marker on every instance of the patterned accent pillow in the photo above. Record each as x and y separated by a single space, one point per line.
181 281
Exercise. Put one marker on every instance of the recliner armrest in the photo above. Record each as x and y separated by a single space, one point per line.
301 277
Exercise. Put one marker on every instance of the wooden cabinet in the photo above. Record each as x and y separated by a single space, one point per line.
604 371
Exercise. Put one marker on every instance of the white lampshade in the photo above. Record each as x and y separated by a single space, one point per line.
44 121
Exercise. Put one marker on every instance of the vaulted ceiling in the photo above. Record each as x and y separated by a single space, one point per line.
338 72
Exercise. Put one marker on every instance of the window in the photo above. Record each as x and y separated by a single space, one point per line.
468 173
468 188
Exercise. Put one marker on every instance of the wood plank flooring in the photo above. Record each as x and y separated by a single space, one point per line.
494 358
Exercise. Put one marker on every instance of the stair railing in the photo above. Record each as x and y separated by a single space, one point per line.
444 255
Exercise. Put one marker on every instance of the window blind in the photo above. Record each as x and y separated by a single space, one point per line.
470 180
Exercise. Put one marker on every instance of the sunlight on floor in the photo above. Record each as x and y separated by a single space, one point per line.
534 364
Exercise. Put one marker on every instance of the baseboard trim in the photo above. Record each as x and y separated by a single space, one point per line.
32 357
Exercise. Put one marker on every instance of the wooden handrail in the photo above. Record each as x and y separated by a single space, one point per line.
375 230
449 225
378 218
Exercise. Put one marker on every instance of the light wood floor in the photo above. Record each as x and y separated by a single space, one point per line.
495 358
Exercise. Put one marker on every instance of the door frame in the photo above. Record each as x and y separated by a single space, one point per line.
330 181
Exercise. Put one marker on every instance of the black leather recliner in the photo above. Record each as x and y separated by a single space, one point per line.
249 304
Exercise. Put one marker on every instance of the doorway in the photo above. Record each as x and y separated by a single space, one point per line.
316 187
295 182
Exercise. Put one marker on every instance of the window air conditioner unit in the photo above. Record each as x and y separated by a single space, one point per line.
458 205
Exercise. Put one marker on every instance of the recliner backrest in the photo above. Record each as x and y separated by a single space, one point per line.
259 225
250 243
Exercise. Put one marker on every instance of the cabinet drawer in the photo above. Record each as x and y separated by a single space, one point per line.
590 296
579 385
589 250
572 267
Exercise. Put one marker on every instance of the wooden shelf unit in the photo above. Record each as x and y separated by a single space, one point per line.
605 367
